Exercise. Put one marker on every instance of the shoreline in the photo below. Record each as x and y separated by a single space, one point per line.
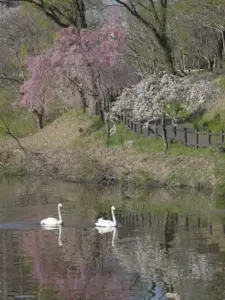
151 185
137 180
87 157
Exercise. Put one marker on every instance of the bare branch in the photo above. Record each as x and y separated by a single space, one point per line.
8 131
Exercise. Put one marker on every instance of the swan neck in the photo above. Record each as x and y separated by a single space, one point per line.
113 216
60 217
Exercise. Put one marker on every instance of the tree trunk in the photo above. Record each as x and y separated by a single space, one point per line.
198 63
84 107
210 65
79 13
164 135
83 97
154 66
169 56
94 105
182 60
220 50
101 113
107 128
39 118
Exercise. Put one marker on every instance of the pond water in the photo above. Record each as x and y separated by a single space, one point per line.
167 241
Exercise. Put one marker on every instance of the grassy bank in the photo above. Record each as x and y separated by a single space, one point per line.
75 147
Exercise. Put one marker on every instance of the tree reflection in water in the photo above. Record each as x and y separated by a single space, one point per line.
82 268
124 262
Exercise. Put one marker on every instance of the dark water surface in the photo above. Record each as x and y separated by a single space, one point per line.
167 240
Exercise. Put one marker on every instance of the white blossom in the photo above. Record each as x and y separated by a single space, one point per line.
149 98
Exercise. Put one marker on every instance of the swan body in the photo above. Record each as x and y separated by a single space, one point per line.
107 223
53 221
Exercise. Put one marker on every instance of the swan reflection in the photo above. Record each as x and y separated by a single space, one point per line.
59 227
103 230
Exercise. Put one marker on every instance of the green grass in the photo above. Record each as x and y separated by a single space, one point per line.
19 123
97 132
121 136
14 171
79 114
96 129
217 123
154 144
178 148
95 136
20 126
214 119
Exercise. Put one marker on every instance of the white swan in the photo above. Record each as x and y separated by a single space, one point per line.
53 221
107 223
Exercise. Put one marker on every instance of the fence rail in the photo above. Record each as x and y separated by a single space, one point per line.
186 135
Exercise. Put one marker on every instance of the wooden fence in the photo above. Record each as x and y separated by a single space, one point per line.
186 135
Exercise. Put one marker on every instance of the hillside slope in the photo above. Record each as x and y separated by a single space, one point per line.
74 147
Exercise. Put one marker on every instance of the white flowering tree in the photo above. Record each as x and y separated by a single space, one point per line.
157 97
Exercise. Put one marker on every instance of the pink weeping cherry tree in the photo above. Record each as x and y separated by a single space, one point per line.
78 57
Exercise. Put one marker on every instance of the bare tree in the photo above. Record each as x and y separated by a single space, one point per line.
63 13
206 17
153 15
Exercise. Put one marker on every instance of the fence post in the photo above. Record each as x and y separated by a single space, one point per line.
196 138
128 121
155 129
174 131
186 218
209 137
185 136
148 130
222 137
140 127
